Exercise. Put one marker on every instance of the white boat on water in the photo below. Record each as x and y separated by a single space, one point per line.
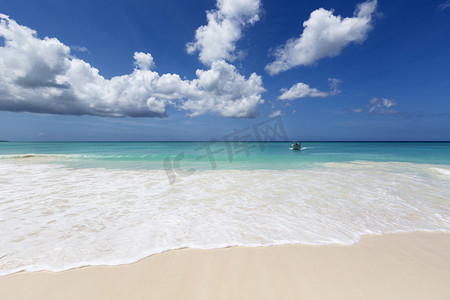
296 145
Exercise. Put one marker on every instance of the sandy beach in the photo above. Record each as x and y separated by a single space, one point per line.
391 266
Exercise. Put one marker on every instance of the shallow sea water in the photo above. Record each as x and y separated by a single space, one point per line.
66 205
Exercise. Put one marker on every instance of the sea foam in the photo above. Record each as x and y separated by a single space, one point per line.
54 217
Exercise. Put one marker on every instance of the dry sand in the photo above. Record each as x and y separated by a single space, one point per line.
392 266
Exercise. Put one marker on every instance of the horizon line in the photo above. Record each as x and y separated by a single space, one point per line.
246 141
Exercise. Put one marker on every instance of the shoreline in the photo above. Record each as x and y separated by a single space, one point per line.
389 266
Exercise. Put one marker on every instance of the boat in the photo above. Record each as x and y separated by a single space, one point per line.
296 145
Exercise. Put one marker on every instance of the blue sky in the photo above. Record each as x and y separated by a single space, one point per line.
196 70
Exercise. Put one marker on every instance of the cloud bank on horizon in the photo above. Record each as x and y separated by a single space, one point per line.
41 76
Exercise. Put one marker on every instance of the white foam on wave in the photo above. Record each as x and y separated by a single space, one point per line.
442 171
55 218
39 157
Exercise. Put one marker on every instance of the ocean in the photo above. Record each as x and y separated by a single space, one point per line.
70 204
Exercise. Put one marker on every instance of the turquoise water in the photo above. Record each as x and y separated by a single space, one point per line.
70 204
230 155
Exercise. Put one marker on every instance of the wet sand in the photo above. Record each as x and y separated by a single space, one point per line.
390 266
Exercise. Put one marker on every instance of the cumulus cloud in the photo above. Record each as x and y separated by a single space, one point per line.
324 35
216 40
225 91
382 106
143 61
40 75
302 90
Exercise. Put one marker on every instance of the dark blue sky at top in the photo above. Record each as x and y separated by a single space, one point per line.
405 58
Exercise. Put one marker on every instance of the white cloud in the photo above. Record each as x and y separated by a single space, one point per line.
324 35
143 61
275 114
216 40
79 48
382 106
334 82
40 75
224 91
444 5
356 110
302 90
